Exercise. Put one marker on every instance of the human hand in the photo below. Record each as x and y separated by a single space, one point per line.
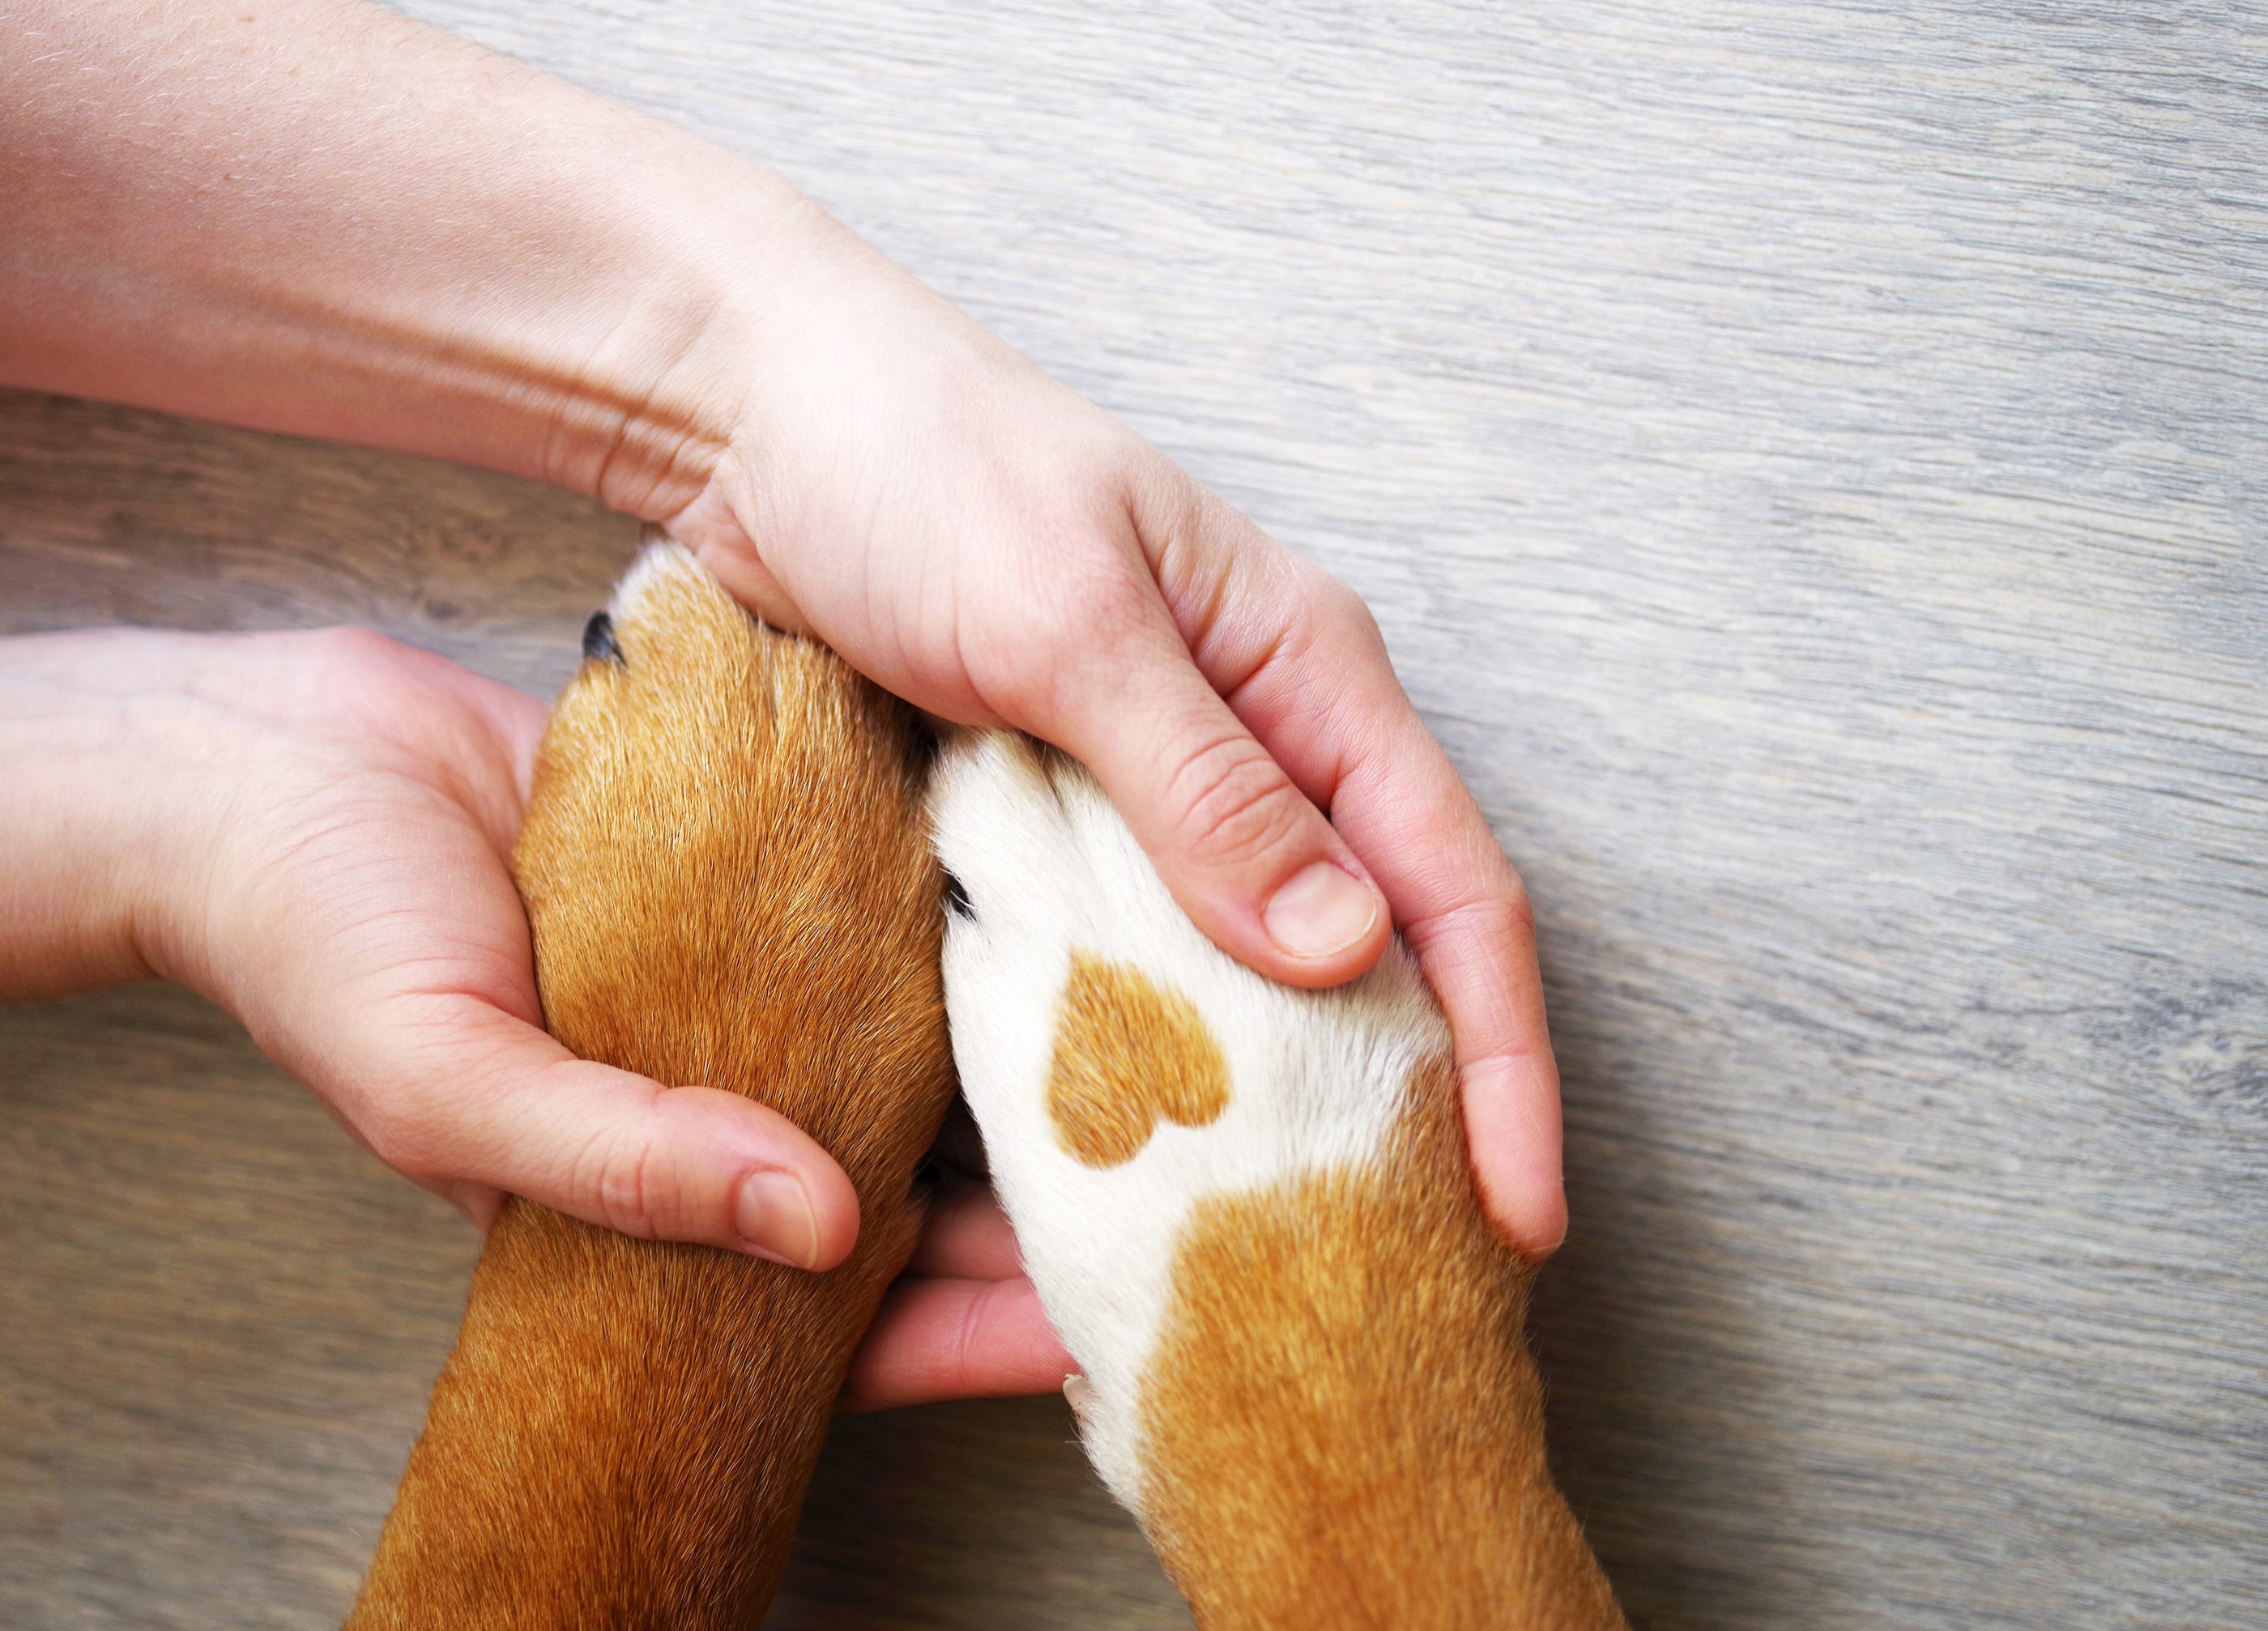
515 272
978 538
963 1320
313 829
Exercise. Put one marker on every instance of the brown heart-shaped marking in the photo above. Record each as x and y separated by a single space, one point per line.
1128 1055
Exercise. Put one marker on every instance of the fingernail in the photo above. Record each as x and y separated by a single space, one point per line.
775 1217
1320 912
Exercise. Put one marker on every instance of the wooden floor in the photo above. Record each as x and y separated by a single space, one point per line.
1807 460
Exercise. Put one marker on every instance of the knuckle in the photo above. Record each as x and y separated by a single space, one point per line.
1516 912
1350 609
1096 609
409 1146
1503 918
1178 523
1337 609
354 652
371 675
1103 601
618 1177
1234 805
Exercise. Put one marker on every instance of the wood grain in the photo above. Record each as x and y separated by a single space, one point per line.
1807 460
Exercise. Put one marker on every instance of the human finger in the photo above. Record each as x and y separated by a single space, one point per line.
1248 856
480 1097
1465 913
967 1237
1301 662
956 1339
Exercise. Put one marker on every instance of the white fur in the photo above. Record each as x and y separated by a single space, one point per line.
660 557
1315 1078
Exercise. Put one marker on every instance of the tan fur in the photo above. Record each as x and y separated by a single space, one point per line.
1127 1056
727 871
1342 1427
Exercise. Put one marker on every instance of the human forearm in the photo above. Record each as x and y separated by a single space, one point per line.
320 216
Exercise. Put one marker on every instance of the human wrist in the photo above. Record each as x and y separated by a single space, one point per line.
727 260
96 829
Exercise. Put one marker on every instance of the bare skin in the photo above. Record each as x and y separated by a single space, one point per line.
316 216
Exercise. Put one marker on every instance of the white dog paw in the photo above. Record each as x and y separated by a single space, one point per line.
1126 1072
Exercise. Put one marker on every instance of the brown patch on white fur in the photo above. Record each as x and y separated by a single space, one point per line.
1127 1056
727 871
1342 1426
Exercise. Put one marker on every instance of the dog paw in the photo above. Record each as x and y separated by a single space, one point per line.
1127 1074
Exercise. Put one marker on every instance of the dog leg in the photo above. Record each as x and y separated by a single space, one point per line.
1248 1212
728 872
